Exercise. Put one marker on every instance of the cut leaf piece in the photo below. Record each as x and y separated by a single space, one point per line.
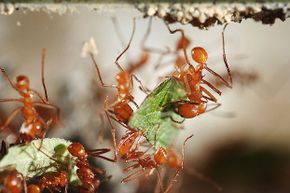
155 114
35 159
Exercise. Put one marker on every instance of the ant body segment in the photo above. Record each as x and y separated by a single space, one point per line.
34 126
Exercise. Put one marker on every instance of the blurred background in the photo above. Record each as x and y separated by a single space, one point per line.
243 146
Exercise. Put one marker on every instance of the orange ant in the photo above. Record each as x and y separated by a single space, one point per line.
11 181
192 79
120 110
85 172
146 161
51 181
34 126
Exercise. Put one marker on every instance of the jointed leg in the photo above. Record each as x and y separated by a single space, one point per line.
219 76
113 132
98 152
99 73
10 100
183 37
127 47
42 73
142 87
174 179
49 106
212 87
209 95
225 57
10 118
8 79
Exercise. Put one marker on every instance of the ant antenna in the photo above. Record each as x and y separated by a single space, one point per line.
225 57
42 73
128 46
183 42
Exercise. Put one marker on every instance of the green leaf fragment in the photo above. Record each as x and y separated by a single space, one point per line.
35 159
154 118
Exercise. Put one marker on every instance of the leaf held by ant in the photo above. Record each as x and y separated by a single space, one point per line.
155 117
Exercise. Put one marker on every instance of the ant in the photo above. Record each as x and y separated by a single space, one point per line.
34 125
147 161
192 79
51 181
11 181
85 172
120 110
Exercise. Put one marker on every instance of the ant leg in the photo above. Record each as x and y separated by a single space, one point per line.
49 106
98 152
10 118
126 48
209 95
39 96
219 76
42 73
225 57
174 179
113 132
133 176
183 42
10 100
8 79
119 34
217 105
211 86
142 87
99 73
100 135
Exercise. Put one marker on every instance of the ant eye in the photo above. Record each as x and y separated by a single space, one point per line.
199 55
22 82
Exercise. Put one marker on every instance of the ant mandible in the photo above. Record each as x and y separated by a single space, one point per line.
192 79
34 126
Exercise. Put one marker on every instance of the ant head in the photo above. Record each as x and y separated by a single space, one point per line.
199 55
22 82
77 150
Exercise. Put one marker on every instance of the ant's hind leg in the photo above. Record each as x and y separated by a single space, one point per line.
10 118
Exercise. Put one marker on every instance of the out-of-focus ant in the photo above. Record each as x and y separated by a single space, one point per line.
11 181
144 55
34 125
193 80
